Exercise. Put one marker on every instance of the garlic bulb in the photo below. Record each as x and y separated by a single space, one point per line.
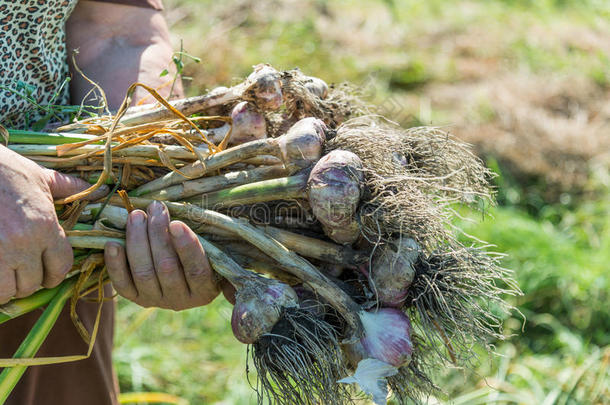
387 336
393 270
258 308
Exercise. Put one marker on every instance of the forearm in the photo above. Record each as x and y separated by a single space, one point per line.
118 45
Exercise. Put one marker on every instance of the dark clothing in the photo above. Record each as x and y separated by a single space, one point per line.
89 381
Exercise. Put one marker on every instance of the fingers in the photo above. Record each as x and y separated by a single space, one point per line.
163 263
118 270
8 285
63 185
197 270
57 260
28 277
166 261
141 261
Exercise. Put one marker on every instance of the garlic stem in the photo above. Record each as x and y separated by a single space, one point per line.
209 184
211 163
298 148
301 244
222 264
285 188
287 259
143 151
263 86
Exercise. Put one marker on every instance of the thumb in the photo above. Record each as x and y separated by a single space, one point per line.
63 185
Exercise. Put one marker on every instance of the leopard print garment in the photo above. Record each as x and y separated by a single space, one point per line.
32 57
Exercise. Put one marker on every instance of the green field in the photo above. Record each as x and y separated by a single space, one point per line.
527 82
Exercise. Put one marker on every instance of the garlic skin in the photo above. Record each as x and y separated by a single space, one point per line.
387 336
334 191
393 270
267 87
371 376
316 86
258 307
301 146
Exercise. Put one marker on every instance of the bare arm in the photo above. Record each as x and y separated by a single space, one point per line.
118 45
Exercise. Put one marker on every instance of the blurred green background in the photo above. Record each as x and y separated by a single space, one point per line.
527 82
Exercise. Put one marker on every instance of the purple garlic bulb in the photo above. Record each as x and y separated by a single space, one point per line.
258 307
248 124
393 270
387 336
301 146
334 191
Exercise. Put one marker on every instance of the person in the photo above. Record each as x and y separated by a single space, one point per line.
163 265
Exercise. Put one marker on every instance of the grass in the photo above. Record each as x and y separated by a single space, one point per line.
441 63
561 270
191 354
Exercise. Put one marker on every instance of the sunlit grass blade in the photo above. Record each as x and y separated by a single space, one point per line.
151 398
577 377
45 138
4 318
18 307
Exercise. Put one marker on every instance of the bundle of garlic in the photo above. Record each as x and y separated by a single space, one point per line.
334 226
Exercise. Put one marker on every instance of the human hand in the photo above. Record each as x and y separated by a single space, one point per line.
163 264
34 250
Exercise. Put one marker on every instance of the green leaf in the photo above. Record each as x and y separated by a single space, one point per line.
165 72
41 123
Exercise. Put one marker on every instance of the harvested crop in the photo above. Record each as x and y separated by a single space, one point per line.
334 226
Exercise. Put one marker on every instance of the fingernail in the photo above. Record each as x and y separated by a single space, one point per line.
112 250
155 208
137 217
176 229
